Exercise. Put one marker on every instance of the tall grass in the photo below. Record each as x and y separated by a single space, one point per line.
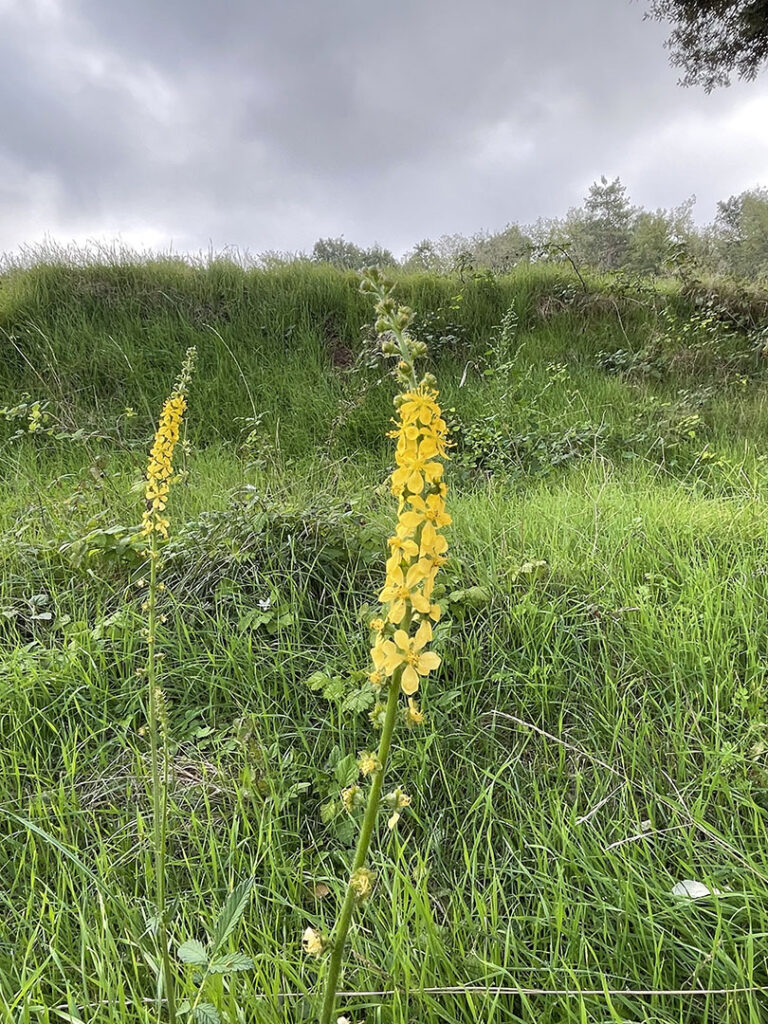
596 733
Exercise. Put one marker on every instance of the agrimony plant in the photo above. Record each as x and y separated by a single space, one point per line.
212 959
155 530
403 630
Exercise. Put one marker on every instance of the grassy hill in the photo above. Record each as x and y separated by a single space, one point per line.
598 730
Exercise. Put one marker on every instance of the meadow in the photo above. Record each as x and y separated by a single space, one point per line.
597 732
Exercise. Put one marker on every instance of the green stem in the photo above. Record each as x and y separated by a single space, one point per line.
405 352
361 852
159 789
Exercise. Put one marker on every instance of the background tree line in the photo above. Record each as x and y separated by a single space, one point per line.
607 233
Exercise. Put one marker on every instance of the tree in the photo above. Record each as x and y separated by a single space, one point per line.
742 234
502 250
424 256
600 233
713 39
348 256
656 235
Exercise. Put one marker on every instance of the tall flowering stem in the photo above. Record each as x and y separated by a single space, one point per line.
403 630
155 530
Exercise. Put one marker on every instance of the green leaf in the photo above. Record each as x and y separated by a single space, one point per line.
230 962
193 952
206 1013
328 811
358 700
347 770
230 913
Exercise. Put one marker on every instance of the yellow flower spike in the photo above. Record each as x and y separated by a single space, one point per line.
160 468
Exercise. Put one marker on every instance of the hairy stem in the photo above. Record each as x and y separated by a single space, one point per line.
159 789
361 852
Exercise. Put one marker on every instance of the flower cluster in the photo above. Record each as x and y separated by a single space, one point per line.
417 549
160 469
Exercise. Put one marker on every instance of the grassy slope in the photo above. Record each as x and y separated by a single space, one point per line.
640 645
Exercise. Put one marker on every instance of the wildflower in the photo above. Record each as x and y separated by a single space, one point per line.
401 591
407 652
416 552
361 883
419 406
403 550
428 514
368 763
313 943
416 467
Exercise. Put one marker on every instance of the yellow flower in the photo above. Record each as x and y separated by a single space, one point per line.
428 514
401 591
403 550
417 467
313 942
420 406
406 652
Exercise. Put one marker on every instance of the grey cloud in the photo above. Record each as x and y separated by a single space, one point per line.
263 125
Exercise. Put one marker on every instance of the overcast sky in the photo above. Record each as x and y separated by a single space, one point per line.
265 124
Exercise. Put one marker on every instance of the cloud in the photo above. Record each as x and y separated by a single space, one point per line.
267 125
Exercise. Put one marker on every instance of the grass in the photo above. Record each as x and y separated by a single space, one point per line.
597 732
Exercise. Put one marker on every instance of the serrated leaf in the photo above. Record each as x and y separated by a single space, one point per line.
358 701
328 811
206 1013
193 952
230 962
230 913
347 770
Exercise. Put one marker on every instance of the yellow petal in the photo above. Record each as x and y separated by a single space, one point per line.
423 635
415 575
428 662
402 640
397 612
409 681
